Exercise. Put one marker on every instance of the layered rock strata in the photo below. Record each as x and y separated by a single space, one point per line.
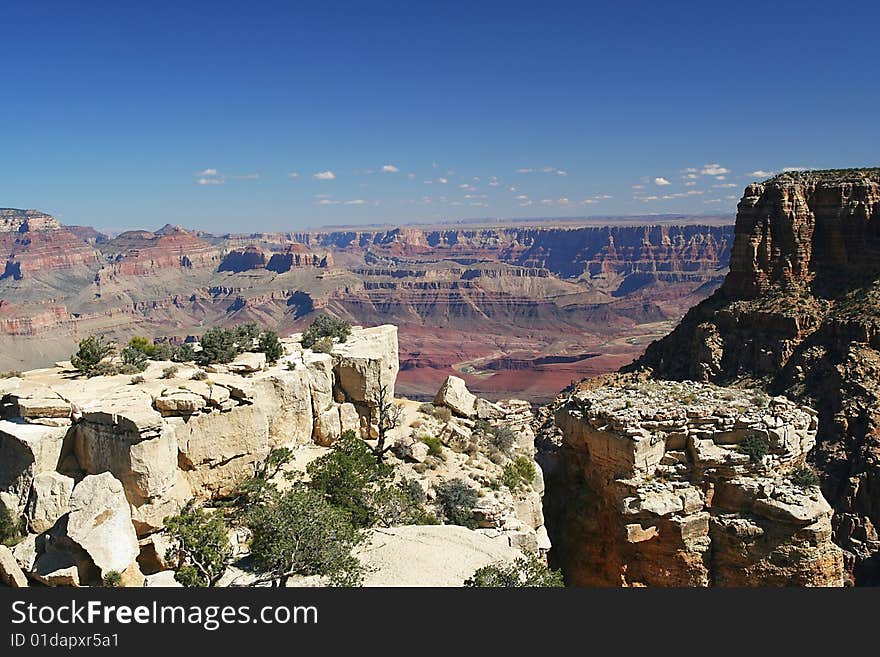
660 484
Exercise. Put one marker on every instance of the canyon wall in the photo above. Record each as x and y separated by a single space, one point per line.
798 314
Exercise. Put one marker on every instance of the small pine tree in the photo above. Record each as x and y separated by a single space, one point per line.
270 345
91 351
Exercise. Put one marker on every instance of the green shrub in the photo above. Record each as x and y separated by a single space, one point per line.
182 353
143 345
112 579
299 532
10 529
755 446
270 345
527 571
435 445
457 500
201 550
91 351
219 345
246 335
482 426
442 413
104 368
170 372
504 439
326 326
350 477
323 346
518 473
137 379
804 477
199 375
427 408
10 374
134 359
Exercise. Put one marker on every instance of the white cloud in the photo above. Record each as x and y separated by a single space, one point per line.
389 168
521 197
760 174
357 201
411 176
247 176
560 172
713 170
327 201
493 181
293 174
442 181
638 186
724 186
525 170
207 172
324 175
660 182
210 177
690 183
210 181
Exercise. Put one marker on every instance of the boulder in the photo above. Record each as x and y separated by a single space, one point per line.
11 573
26 450
153 550
455 437
163 579
327 427
42 403
286 399
217 450
367 362
248 363
320 376
454 395
179 402
349 420
100 523
486 410
49 500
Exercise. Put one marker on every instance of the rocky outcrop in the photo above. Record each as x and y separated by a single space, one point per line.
454 395
292 256
685 484
798 315
94 463
32 241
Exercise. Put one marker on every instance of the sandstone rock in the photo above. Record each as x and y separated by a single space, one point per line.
327 427
216 450
179 402
366 362
648 516
320 377
454 395
42 403
455 437
100 522
25 450
49 500
349 420
248 363
25 552
486 410
286 399
10 572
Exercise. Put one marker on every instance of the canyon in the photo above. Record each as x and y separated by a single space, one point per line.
514 308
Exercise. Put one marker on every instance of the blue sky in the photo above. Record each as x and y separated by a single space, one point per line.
234 116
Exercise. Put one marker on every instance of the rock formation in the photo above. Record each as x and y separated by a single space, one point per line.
798 314
655 485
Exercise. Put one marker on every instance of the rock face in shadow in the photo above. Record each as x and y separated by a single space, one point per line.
799 314
653 486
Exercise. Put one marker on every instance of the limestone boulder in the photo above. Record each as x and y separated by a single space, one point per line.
286 399
179 402
349 420
216 450
11 573
248 363
49 500
100 523
25 451
365 363
327 426
320 376
454 395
